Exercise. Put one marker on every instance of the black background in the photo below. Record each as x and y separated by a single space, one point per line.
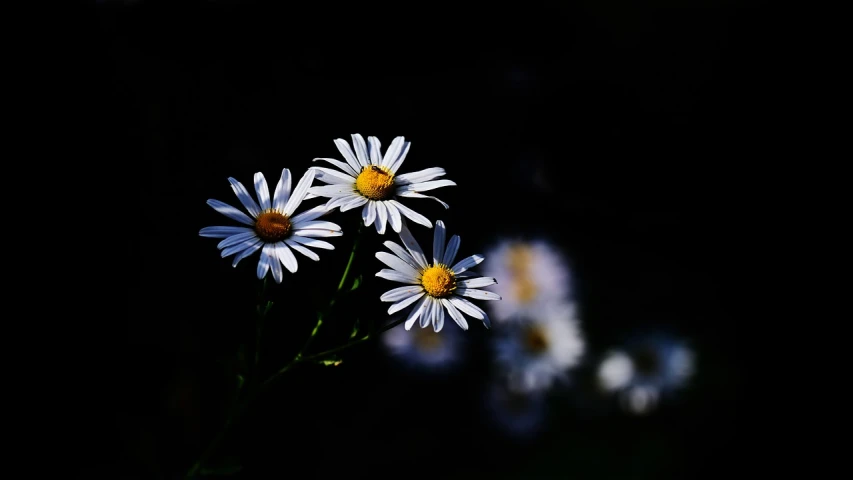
620 131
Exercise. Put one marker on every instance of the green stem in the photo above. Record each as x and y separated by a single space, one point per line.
345 346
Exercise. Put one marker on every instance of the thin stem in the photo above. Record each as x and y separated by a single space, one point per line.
352 343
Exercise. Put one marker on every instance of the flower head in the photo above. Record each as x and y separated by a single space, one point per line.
536 349
424 348
531 272
369 180
271 226
434 287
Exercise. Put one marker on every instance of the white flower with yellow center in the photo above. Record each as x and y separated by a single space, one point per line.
532 273
423 348
434 287
369 180
272 227
540 348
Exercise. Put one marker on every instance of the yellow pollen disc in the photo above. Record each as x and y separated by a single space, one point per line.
375 183
438 281
272 226
535 340
524 289
518 261
426 339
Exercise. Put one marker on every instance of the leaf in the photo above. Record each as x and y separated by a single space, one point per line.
354 329
356 283
332 362
240 381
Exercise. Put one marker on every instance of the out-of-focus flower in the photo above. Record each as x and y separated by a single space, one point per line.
540 347
370 179
532 273
434 287
645 370
272 228
424 348
518 414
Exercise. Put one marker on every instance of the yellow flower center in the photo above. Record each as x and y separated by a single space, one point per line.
375 183
426 339
535 340
272 226
438 281
518 262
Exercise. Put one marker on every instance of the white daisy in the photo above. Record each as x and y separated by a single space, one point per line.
370 179
272 227
424 348
615 371
531 272
434 287
535 350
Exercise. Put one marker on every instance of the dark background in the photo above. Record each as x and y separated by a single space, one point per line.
620 131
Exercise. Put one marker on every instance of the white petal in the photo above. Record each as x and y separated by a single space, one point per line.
393 152
265 261
349 156
368 213
340 201
438 237
381 217
424 186
419 176
263 191
316 225
360 150
222 232
246 252
328 175
374 149
455 314
332 190
299 193
285 255
353 203
397 264
413 247
467 263
438 319
394 217
405 303
282 191
313 233
312 242
427 316
396 276
400 293
230 212
478 294
477 282
420 195
402 253
235 239
275 262
308 215
452 248
245 198
399 162
411 214
416 312
304 251
343 166
467 307
239 247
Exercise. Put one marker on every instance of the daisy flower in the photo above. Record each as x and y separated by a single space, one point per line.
272 228
531 272
424 348
369 180
434 287
537 349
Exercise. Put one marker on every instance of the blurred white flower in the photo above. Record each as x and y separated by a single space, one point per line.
272 228
531 273
434 287
615 371
540 347
518 414
423 348
369 179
